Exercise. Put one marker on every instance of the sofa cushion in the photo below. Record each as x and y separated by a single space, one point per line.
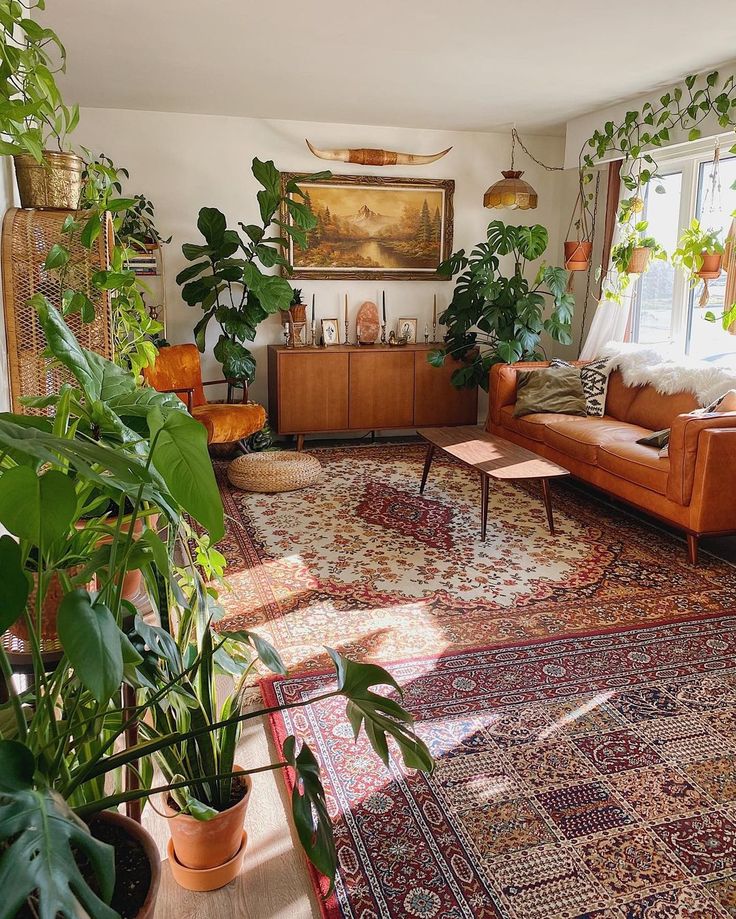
619 396
635 463
549 390
654 411
531 426
581 437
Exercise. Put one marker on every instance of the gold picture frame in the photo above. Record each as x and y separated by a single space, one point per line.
373 228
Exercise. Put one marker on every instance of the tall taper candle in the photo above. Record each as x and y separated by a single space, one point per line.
346 307
312 307
384 307
434 311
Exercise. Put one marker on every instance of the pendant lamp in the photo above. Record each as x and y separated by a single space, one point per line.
511 191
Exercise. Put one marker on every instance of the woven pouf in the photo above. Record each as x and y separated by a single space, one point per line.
272 472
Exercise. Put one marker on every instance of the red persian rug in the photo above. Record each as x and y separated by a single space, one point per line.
363 563
589 777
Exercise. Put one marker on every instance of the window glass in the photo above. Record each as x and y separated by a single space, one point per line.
655 289
709 339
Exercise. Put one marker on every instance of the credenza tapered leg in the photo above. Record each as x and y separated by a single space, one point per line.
484 483
299 443
546 494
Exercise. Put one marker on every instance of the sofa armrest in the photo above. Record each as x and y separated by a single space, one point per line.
502 387
713 504
684 450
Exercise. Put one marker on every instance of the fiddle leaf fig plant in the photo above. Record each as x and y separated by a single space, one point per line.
498 318
226 280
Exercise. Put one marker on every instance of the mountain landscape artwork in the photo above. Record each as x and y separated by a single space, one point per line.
375 227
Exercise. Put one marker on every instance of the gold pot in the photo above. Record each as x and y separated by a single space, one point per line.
54 183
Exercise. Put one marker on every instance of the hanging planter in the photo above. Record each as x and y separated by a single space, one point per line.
578 253
712 265
639 260
55 182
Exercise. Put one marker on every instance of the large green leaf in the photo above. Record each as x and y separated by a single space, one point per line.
40 837
211 224
266 652
39 508
64 346
309 809
14 585
267 175
532 241
180 455
502 238
91 640
274 293
237 361
379 715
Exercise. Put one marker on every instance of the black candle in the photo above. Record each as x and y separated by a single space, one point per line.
312 307
384 307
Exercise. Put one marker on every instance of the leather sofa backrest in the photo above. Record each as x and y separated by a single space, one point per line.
619 396
652 410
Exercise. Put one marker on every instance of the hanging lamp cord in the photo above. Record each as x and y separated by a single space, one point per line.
515 139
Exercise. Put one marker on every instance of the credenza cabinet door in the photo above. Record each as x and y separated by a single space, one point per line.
381 390
436 401
313 393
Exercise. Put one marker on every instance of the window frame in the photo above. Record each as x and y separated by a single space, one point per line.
687 162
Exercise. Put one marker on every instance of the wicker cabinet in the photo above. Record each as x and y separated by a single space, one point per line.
348 388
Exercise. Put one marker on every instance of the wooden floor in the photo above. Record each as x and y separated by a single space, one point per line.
274 883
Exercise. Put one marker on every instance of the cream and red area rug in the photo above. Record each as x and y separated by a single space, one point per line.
580 777
364 564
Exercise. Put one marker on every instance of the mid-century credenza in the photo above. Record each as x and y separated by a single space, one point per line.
352 388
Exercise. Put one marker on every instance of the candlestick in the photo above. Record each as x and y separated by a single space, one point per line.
347 325
383 333
426 333
314 331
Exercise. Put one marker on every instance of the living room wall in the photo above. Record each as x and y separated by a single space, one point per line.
186 161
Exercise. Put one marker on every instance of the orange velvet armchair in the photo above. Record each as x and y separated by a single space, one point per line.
178 370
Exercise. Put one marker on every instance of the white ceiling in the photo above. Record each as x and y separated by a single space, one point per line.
464 65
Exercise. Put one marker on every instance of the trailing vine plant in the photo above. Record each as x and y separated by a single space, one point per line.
635 140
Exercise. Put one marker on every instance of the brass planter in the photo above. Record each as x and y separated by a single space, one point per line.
54 183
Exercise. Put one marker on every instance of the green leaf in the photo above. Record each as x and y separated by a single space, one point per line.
237 361
14 585
190 251
180 455
694 134
91 640
57 257
267 175
309 808
274 293
37 508
41 836
509 351
211 224
266 652
532 241
436 358
501 237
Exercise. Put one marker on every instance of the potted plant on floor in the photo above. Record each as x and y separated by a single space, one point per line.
226 281
700 254
33 113
493 318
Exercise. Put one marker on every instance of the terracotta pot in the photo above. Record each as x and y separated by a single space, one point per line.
639 261
54 183
207 878
136 832
577 255
711 267
51 602
208 844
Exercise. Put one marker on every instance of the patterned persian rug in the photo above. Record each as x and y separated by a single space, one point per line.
589 777
362 563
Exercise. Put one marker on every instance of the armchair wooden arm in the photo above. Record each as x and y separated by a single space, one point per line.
189 390
231 384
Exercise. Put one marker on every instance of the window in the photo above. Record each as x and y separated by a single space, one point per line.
666 309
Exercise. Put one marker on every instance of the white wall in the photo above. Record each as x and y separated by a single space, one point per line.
183 162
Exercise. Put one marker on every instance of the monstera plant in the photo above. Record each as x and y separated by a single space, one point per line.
226 281
498 317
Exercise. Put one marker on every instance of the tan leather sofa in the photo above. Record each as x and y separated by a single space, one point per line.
693 489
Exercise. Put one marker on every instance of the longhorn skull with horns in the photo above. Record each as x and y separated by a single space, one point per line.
367 156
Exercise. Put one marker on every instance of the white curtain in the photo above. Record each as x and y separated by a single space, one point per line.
610 319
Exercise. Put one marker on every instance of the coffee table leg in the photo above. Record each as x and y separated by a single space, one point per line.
427 464
546 494
484 481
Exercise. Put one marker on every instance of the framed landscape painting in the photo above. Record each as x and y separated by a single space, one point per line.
374 227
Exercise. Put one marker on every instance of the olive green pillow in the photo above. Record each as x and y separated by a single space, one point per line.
550 389
658 439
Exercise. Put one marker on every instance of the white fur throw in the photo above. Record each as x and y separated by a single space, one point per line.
667 373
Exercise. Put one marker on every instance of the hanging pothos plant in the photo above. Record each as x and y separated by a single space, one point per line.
494 318
635 140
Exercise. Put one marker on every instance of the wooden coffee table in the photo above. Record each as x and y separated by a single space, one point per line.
494 458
